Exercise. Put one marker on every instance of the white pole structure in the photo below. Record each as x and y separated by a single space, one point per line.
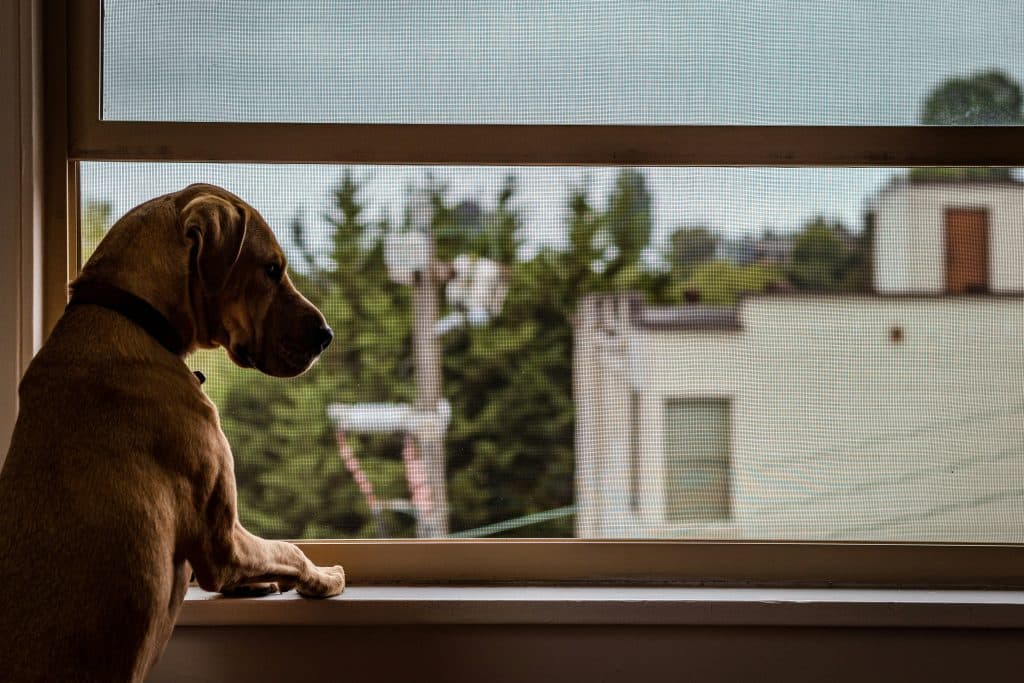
389 418
428 374
363 482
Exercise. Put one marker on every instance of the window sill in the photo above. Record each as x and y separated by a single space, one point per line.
638 606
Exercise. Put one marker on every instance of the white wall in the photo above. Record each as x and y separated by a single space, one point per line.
842 433
909 253
838 432
613 358
685 364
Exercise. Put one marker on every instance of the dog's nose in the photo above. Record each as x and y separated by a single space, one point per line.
326 336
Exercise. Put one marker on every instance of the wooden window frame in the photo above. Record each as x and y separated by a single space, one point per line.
74 132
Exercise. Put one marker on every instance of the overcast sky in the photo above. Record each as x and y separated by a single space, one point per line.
852 62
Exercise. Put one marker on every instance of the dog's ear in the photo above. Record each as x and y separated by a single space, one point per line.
216 228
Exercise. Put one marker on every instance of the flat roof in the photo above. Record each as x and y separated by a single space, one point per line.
704 317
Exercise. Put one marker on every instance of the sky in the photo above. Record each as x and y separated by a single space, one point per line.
733 201
851 62
848 62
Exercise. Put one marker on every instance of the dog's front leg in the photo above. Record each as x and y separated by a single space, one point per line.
238 559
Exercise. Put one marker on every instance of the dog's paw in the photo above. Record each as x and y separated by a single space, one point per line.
325 582
250 590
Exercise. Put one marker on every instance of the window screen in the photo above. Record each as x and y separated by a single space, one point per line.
864 324
783 62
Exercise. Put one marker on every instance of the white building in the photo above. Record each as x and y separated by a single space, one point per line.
936 237
815 417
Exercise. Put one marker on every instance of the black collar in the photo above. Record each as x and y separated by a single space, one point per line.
135 309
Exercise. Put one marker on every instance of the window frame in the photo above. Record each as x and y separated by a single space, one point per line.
74 132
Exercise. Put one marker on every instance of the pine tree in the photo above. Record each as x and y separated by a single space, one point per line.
509 446
290 477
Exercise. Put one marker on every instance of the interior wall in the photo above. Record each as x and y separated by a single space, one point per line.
496 654
21 190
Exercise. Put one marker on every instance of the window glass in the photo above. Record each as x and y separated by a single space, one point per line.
784 62
747 353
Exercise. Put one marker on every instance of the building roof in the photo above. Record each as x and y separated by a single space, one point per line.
902 183
630 308
688 317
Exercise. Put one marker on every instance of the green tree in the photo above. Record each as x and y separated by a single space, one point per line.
503 228
827 258
96 220
627 221
720 283
692 246
510 382
985 99
291 481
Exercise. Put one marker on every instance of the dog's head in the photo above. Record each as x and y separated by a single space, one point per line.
240 288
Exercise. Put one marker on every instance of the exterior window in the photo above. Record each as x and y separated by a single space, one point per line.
555 238
696 460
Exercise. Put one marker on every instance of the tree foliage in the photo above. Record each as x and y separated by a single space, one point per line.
510 442
691 246
984 99
720 283
96 220
826 258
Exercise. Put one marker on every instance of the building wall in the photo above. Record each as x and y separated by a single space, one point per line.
844 433
855 418
909 253
613 358
689 364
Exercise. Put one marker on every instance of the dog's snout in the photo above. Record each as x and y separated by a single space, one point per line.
326 335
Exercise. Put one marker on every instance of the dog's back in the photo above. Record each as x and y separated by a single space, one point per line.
74 536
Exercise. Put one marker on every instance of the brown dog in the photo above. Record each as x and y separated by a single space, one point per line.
119 477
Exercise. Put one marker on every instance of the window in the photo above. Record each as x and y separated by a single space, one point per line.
696 460
723 179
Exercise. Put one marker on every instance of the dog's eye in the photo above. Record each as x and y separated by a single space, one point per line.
274 271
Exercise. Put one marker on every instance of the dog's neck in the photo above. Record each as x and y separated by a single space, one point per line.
136 309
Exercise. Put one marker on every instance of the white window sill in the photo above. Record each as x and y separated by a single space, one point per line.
379 605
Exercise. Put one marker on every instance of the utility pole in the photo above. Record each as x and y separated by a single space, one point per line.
434 524
428 395
476 286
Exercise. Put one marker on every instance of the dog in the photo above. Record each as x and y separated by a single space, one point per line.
119 482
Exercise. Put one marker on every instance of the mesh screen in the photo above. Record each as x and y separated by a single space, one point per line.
853 62
745 353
